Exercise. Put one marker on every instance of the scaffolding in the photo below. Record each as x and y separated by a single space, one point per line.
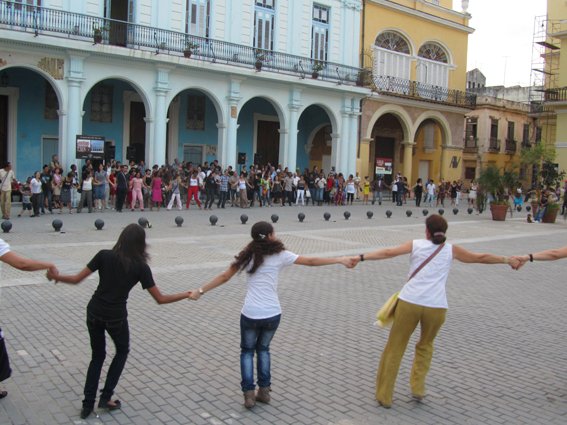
545 64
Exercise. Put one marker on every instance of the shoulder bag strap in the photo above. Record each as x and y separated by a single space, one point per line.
422 265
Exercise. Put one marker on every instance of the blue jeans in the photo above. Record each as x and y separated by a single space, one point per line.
255 336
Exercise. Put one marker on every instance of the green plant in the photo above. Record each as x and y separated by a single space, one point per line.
497 183
191 45
318 66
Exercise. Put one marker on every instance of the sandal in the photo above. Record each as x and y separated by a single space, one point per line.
3 394
110 404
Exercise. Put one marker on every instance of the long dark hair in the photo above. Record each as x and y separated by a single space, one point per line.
130 247
260 246
437 227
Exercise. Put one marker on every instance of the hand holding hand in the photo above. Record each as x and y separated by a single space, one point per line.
52 273
194 295
514 262
521 260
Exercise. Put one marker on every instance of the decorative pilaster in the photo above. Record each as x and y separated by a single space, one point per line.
293 106
73 116
161 89
408 156
233 98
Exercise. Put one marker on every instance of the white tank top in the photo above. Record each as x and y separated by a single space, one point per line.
193 182
427 287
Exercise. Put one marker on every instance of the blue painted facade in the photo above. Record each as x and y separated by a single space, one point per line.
313 116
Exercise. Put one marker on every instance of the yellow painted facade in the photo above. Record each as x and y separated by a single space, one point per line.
421 131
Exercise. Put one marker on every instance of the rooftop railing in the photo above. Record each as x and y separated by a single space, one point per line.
44 21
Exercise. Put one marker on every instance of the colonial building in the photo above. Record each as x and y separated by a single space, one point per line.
271 80
414 118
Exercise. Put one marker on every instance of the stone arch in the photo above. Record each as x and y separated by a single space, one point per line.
439 118
214 99
47 76
397 111
274 102
141 92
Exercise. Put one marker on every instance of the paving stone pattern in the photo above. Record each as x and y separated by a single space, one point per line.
501 357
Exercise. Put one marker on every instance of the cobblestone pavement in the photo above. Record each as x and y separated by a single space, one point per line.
501 357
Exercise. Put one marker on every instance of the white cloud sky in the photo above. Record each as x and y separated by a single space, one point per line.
501 46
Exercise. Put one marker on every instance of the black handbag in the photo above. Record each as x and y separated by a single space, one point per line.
5 371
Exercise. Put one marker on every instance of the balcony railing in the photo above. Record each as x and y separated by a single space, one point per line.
56 23
471 144
555 95
412 89
493 145
511 146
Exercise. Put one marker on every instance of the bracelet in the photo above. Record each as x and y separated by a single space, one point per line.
531 258
361 257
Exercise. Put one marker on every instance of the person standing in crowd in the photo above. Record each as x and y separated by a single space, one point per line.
423 301
277 190
75 187
56 187
6 179
25 264
66 187
418 192
350 189
147 188
175 188
36 193
395 191
243 190
46 190
288 188
26 198
136 185
121 187
86 191
157 197
233 187
320 183
377 186
300 191
223 189
193 190
431 191
119 270
262 259
210 189
99 183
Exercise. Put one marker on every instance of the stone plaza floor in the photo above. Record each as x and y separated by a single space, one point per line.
501 357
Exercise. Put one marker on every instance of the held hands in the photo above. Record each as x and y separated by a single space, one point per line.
52 273
518 261
349 262
194 295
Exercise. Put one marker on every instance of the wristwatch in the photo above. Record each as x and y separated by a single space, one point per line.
201 292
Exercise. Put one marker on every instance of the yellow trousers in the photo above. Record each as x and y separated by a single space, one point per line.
406 318
6 203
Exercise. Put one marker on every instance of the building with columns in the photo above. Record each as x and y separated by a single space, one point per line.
416 51
181 79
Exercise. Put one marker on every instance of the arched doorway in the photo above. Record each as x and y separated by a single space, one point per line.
192 134
259 132
427 151
314 139
386 148
29 120
116 111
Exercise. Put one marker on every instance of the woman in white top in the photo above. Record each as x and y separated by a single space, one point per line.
423 301
35 185
472 194
262 259
86 192
350 189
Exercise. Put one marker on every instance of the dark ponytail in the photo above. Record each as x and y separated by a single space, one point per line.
437 227
260 246
131 246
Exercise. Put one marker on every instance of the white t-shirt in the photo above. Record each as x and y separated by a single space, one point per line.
427 287
431 189
4 247
262 299
35 186
350 187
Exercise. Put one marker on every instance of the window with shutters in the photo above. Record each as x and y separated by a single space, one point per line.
264 16
101 103
320 33
392 55
432 66
197 17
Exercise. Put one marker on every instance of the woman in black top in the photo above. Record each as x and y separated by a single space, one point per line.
119 270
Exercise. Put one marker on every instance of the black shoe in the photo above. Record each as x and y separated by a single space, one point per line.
105 404
86 411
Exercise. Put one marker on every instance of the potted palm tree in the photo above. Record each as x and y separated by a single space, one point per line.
260 58
317 66
190 48
97 34
495 184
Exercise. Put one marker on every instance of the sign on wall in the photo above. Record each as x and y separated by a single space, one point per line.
383 166
90 147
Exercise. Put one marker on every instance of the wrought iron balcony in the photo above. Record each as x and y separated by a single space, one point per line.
471 144
494 145
511 146
43 21
558 94
426 92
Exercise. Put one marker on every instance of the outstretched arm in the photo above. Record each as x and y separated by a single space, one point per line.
71 278
217 281
465 256
167 298
26 264
547 255
382 254
320 261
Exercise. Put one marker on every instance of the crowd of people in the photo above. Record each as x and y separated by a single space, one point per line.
112 185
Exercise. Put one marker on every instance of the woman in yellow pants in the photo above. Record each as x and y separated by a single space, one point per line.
423 301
